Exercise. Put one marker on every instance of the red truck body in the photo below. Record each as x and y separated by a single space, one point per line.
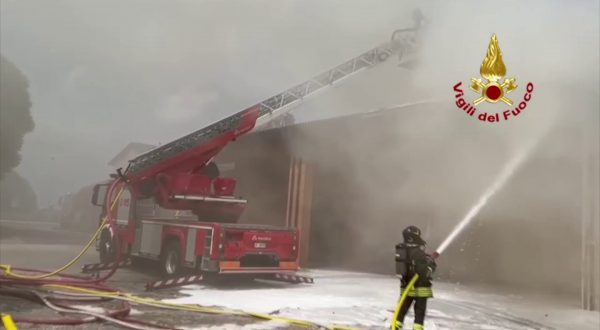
177 239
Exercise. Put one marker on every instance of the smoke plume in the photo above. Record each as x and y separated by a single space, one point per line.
429 165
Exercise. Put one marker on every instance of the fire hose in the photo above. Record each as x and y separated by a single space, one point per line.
75 292
82 292
116 316
9 277
86 287
409 287
105 222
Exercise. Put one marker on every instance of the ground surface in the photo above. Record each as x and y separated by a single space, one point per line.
360 300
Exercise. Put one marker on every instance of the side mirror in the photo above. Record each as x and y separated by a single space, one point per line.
99 194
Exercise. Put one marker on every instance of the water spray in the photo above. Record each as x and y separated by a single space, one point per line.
507 172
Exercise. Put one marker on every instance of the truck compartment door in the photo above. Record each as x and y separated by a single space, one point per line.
190 246
151 238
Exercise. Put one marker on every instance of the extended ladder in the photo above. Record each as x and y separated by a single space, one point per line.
279 104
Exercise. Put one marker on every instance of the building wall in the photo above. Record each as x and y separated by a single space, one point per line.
261 165
376 173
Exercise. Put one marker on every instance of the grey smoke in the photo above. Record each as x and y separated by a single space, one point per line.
429 166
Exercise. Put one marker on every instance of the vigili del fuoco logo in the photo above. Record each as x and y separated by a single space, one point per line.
493 88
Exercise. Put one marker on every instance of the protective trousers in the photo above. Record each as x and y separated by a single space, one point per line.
420 308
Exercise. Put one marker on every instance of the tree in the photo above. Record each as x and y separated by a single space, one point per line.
15 115
16 196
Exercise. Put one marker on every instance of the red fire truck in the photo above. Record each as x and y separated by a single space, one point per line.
178 239
172 205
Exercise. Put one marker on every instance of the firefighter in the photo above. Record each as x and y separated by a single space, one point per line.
411 259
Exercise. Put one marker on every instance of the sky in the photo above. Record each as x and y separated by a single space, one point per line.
105 73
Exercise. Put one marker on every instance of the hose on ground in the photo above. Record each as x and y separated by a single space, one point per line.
182 307
118 316
94 288
8 269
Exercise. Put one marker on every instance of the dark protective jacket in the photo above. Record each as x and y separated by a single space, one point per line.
417 262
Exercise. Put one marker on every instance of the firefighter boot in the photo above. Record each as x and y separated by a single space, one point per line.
418 326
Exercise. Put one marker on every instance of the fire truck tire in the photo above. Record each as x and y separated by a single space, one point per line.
170 259
106 247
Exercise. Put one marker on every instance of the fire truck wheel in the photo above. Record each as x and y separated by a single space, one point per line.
106 247
171 259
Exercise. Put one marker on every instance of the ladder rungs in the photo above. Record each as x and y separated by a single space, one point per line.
270 108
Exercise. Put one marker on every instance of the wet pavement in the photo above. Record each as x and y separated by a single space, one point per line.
30 245
335 298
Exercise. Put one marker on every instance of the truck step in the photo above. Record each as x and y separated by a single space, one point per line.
291 278
172 282
94 268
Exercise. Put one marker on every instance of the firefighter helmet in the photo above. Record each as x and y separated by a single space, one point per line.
412 235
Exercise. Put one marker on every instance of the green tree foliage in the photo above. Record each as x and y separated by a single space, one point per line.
15 115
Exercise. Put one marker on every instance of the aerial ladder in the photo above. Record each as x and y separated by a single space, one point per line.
167 171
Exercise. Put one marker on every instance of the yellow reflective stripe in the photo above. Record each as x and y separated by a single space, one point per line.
418 326
421 292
